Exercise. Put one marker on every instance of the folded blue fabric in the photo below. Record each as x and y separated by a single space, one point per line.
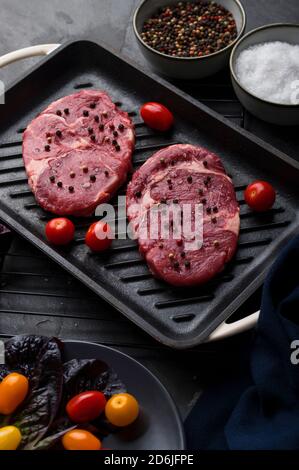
257 407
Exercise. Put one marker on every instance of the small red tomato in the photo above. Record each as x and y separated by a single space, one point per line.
260 196
60 231
86 406
99 236
157 116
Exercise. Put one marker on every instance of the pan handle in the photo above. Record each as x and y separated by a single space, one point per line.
225 330
26 52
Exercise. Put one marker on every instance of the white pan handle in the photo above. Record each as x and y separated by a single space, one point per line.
225 330
32 51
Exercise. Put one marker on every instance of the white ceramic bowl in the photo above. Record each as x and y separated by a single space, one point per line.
274 113
186 67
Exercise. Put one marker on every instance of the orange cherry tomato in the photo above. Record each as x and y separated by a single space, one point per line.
60 231
157 116
13 391
260 196
86 406
79 439
99 236
122 409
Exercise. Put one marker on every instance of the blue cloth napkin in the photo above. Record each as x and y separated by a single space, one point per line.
257 406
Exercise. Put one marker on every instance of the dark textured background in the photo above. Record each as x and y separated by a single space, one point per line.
44 301
29 22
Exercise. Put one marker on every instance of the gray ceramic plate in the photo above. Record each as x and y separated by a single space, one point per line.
159 426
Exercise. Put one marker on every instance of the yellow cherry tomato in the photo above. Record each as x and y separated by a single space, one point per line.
79 439
10 438
13 390
122 409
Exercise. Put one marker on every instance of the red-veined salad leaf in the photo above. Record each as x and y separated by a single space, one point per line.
90 374
42 419
79 376
39 359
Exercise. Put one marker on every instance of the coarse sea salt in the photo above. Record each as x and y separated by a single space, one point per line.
270 71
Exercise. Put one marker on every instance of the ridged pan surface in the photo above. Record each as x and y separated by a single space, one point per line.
180 318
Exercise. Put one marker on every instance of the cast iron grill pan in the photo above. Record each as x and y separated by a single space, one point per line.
180 318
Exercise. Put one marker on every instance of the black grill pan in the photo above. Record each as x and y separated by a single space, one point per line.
175 317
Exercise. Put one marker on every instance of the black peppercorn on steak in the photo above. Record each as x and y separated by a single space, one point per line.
183 176
78 152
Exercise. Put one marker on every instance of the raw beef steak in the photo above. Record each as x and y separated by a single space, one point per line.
77 152
177 175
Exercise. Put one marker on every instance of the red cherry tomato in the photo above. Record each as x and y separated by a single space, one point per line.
260 196
157 116
60 231
99 236
86 406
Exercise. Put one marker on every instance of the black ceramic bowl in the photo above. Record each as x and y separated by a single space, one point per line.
186 67
275 113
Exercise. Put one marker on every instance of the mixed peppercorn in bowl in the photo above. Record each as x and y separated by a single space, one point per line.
188 39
